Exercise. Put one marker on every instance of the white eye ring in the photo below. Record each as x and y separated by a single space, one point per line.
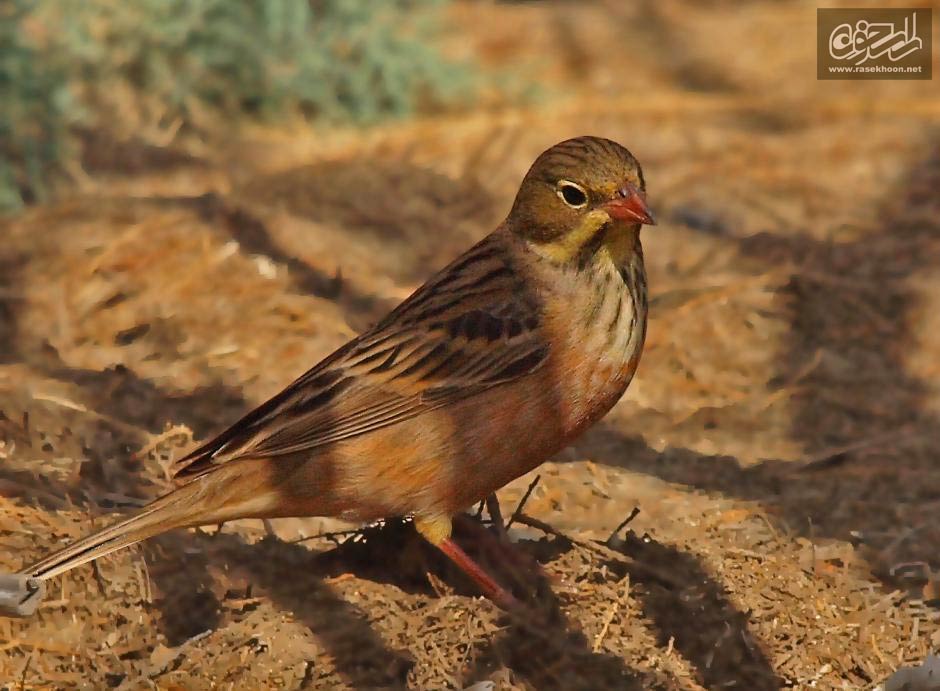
572 194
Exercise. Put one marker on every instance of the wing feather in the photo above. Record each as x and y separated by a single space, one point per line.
470 328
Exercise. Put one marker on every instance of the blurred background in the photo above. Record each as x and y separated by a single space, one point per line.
201 199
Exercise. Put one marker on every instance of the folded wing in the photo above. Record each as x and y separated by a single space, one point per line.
470 328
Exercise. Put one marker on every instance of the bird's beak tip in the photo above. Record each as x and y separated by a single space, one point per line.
630 206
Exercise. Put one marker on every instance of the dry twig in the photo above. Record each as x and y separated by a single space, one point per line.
602 550
522 502
612 612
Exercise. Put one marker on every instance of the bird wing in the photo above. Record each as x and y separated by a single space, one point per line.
473 326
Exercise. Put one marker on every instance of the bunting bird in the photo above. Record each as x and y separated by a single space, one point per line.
500 360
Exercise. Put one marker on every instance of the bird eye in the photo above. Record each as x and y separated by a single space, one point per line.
572 194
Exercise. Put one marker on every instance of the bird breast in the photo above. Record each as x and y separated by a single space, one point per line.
600 349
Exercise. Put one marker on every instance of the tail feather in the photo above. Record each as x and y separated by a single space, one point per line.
233 490
177 509
198 502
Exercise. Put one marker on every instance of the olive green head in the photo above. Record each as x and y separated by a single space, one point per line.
576 189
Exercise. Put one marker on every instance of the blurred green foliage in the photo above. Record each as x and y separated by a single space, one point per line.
138 66
34 105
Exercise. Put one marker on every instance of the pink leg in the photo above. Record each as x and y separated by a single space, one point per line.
493 590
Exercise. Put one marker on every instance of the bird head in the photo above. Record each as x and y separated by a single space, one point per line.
576 190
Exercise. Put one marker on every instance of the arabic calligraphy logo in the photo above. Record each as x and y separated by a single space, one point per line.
874 43
869 40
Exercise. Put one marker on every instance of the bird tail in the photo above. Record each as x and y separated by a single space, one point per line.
165 513
198 502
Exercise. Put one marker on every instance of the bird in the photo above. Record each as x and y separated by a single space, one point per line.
496 363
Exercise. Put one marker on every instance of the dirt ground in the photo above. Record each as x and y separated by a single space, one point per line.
780 441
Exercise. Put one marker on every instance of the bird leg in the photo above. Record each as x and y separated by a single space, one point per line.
437 531
496 516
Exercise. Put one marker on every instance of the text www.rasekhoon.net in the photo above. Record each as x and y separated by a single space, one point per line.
859 69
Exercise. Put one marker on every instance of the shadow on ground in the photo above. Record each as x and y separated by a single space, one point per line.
860 388
539 645
851 307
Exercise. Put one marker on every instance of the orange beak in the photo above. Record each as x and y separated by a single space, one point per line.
629 205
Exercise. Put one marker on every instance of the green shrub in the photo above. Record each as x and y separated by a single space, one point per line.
138 66
34 107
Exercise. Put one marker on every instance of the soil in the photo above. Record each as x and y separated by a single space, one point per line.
780 441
